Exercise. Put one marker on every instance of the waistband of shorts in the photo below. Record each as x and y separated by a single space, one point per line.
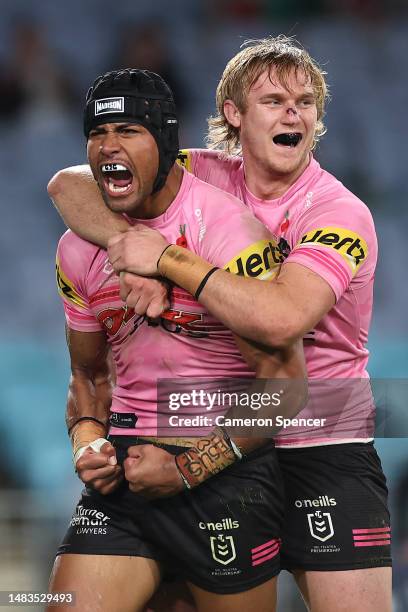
183 442
177 445
283 450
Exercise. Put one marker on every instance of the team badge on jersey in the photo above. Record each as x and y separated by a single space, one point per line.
352 247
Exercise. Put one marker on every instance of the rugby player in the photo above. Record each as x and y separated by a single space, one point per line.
270 108
208 507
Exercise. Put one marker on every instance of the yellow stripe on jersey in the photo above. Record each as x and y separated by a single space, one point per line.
260 260
351 246
66 288
184 159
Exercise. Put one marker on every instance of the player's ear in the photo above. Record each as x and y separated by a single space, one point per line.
232 114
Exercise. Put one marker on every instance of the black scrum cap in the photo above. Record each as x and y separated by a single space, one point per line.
136 96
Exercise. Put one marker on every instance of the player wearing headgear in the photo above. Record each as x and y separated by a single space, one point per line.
209 508
270 108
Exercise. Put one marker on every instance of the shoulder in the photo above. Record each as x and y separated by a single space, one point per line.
224 231
330 201
330 191
75 253
215 200
72 243
202 161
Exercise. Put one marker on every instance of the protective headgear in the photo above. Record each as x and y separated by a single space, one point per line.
136 96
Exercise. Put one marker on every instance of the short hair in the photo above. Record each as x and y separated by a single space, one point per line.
281 53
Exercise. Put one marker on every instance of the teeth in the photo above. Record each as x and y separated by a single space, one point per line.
113 167
116 188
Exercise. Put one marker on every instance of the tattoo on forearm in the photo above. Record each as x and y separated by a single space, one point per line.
208 457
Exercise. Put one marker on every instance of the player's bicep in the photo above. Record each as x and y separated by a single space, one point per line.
89 353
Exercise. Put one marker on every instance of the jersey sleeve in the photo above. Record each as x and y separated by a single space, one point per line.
71 271
236 241
210 166
197 161
337 240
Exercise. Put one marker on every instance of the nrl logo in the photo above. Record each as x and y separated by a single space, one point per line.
109 105
223 549
321 525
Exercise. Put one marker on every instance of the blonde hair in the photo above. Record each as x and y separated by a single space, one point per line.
282 54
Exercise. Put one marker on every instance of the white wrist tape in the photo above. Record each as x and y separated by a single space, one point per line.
96 446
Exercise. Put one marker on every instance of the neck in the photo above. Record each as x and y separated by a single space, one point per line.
267 184
157 203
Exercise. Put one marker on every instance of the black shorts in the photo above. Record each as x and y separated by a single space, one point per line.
336 514
223 536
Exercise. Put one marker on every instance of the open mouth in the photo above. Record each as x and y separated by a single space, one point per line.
289 139
118 178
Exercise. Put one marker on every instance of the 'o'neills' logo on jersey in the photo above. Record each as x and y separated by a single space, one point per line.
260 260
109 105
66 288
352 247
322 500
221 525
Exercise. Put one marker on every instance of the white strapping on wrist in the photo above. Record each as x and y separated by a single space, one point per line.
96 446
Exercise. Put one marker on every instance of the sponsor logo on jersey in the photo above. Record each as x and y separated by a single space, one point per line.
66 288
223 524
260 260
109 105
321 525
309 199
184 159
352 247
321 501
199 214
89 521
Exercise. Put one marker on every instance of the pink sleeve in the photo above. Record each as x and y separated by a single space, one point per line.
211 166
337 240
71 273
198 161
236 241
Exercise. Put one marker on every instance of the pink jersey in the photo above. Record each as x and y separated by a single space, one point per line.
321 225
186 341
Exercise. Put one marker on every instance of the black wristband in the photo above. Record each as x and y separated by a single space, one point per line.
85 418
162 253
203 282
